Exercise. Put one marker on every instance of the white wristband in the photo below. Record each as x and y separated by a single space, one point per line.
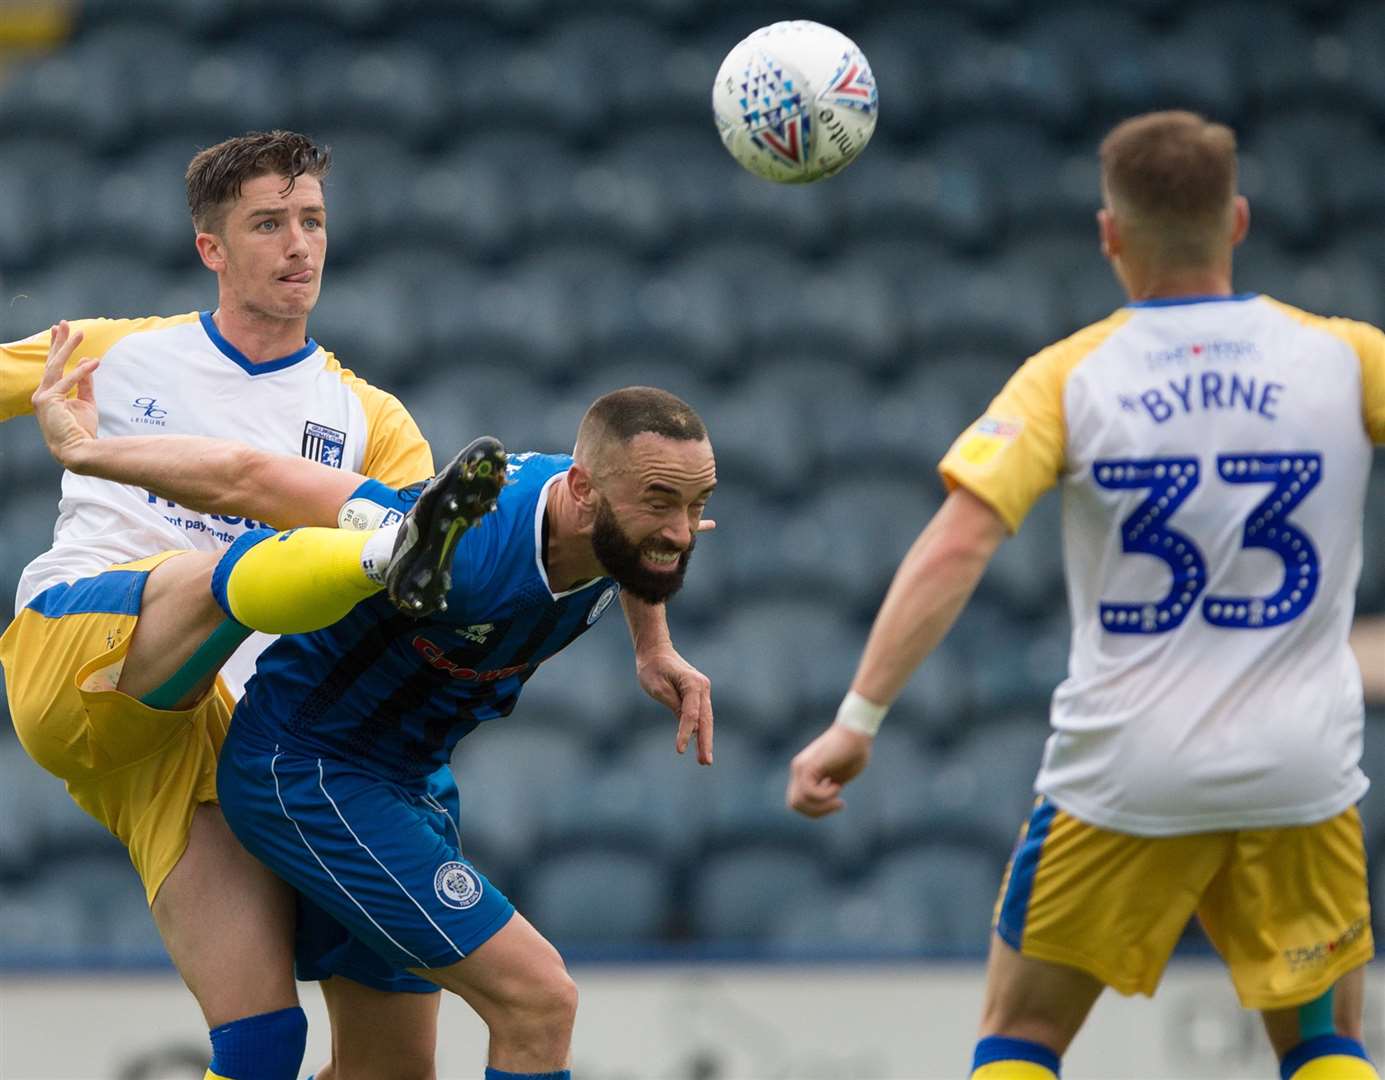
860 714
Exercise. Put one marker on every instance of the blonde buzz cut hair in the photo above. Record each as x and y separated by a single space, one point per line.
1170 180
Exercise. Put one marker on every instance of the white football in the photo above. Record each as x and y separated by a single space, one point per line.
795 101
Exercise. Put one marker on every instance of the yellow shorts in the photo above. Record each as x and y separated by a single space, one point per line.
1287 908
141 772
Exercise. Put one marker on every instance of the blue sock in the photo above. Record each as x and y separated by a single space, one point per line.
501 1074
221 574
265 1047
1317 1047
995 1048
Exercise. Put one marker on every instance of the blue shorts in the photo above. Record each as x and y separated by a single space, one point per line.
382 883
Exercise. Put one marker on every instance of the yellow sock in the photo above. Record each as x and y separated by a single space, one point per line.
1336 1067
1013 1070
295 581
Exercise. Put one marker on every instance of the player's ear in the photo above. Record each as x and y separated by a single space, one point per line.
1110 234
212 251
1242 226
580 486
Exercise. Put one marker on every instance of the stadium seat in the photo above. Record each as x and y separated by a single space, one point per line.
850 538
397 89
1360 36
814 646
749 808
522 317
21 221
194 18
513 88
851 921
591 688
758 696
1039 194
756 441
932 195
43 926
1012 662
29 519
451 413
648 793
976 794
953 886
738 895
115 920
326 16
139 207
509 776
937 696
366 192
826 393
79 91
361 319
85 285
1008 78
1371 594
598 896
944 393
1372 805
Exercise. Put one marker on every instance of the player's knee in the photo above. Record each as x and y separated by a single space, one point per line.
543 1013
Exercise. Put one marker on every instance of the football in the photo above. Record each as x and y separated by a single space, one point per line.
795 102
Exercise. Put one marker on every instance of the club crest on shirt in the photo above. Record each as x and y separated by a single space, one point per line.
602 603
457 885
323 444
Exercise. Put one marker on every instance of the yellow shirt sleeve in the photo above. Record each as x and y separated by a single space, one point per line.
396 453
21 362
1016 450
1369 343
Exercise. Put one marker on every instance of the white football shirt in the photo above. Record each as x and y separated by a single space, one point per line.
1212 455
179 375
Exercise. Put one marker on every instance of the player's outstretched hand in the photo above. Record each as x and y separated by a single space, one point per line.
822 768
669 679
66 422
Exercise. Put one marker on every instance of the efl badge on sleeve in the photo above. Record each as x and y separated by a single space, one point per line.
324 444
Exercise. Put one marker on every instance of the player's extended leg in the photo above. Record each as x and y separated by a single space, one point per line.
1290 913
1322 1039
227 922
1032 1011
78 661
1081 908
379 1033
305 579
517 983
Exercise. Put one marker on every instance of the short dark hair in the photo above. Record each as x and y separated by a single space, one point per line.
635 410
1172 174
215 175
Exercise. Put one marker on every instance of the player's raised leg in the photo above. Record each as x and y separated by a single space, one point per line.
519 986
182 637
379 1033
1032 1011
304 579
